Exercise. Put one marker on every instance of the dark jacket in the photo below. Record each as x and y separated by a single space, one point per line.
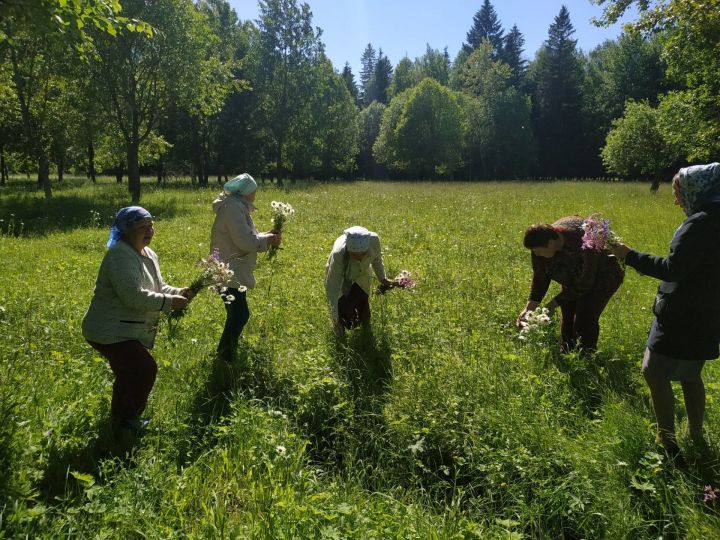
687 305
577 270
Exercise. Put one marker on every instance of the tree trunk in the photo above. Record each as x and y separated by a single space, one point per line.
159 170
91 161
278 163
119 173
60 166
44 175
133 149
3 175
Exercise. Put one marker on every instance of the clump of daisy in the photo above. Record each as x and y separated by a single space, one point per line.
534 324
597 235
403 280
281 213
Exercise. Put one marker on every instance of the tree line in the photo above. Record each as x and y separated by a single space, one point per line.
176 87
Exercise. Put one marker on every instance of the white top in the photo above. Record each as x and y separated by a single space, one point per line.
235 236
341 271
129 297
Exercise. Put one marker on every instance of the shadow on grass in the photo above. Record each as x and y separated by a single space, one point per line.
24 214
592 377
70 469
250 376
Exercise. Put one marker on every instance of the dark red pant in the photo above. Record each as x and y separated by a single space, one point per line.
581 320
354 307
135 371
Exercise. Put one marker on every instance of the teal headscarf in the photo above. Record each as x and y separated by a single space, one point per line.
698 185
243 184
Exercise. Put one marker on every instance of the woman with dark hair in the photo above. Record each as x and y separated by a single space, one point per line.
121 322
588 279
686 329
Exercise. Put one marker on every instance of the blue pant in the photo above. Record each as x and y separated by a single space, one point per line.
238 314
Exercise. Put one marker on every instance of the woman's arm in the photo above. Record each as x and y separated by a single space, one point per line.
687 250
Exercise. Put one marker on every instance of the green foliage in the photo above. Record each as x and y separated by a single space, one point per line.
486 27
635 145
438 423
421 132
498 141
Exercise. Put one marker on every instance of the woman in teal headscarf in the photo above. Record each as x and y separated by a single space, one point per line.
686 329
237 240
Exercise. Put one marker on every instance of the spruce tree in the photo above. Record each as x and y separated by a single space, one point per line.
557 98
512 55
485 26
367 72
349 79
382 77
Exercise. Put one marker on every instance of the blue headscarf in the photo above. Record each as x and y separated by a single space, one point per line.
124 219
243 184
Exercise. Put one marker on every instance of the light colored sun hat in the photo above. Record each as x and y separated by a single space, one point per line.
357 239
242 184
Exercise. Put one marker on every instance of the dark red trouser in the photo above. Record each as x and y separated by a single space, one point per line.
135 371
354 307
581 320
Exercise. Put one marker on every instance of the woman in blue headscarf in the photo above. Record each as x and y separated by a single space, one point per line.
686 329
122 319
238 241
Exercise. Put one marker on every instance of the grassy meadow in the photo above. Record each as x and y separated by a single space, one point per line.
439 423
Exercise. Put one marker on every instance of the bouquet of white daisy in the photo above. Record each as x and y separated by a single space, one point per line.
281 213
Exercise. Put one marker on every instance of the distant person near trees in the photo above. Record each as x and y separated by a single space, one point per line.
588 279
121 322
237 240
686 329
348 278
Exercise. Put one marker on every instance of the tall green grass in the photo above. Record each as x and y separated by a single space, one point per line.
436 423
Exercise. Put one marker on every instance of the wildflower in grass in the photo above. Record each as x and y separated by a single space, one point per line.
534 324
597 234
213 275
280 449
403 280
711 494
281 213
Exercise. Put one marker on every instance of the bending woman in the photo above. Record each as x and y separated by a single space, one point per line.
588 279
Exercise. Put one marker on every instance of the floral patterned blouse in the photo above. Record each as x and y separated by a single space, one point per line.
577 270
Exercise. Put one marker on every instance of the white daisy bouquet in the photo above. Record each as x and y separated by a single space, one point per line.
535 324
214 274
281 213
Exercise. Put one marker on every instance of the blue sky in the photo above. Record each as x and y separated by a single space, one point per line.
404 27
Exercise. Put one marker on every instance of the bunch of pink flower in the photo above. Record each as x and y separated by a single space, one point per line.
403 280
711 493
597 234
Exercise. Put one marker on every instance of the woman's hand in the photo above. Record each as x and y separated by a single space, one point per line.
551 306
619 250
274 239
530 306
187 292
178 303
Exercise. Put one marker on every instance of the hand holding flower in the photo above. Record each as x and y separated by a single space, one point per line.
178 302
620 250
